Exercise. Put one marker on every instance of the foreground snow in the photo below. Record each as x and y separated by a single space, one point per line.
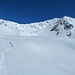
41 55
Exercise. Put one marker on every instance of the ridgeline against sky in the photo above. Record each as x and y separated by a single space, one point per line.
27 11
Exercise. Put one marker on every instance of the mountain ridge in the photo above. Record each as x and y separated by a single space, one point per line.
56 25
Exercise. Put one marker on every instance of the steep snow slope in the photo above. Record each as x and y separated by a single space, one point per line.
39 55
60 26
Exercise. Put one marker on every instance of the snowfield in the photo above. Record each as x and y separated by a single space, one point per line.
44 51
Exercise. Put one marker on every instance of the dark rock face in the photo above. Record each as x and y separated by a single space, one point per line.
62 25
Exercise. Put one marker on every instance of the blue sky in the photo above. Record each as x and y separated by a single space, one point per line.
27 11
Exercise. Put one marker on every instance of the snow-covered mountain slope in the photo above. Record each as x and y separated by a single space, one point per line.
58 26
51 52
11 28
41 55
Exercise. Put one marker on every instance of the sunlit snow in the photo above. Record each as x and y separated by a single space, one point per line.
33 49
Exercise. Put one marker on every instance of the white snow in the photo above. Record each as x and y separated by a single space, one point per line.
40 52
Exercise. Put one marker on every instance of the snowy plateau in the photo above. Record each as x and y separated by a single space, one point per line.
41 48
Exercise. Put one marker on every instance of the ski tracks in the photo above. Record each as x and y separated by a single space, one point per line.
3 70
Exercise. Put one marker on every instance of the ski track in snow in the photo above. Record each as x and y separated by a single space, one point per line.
3 70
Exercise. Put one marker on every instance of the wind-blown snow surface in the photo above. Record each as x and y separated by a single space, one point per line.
44 54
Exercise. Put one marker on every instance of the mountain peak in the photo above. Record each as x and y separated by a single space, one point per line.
56 25
66 17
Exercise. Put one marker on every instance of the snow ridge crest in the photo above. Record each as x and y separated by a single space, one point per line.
58 26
